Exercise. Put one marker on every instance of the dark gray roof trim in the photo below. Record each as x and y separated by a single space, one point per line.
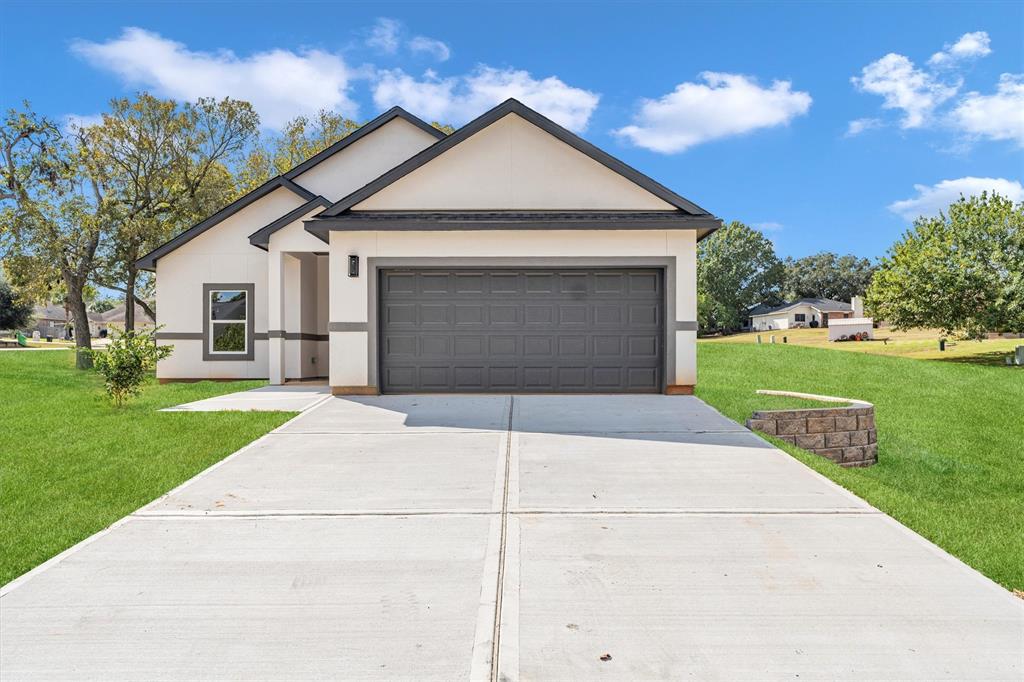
512 106
261 237
148 262
511 220
361 132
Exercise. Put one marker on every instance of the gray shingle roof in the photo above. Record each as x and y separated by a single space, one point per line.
825 305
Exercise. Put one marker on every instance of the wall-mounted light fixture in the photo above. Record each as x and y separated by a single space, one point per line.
353 266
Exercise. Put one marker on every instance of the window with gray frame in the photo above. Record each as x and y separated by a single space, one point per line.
800 317
228 322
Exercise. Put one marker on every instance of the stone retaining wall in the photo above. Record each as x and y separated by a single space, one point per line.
845 435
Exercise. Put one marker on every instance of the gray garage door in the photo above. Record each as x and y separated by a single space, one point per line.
565 331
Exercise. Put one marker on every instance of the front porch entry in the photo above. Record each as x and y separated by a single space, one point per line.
298 315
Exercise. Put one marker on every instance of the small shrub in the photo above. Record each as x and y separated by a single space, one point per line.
126 362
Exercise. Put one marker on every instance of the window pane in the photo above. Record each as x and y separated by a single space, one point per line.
229 337
227 305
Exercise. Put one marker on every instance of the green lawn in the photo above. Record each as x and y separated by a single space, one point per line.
950 439
70 464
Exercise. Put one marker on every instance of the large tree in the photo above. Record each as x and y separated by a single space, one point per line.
52 212
961 272
163 167
15 311
826 275
736 269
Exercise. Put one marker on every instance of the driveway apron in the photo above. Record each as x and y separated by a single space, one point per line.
501 537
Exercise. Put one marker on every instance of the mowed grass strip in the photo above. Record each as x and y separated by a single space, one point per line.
71 464
950 437
920 344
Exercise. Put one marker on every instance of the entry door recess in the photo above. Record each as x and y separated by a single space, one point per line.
522 330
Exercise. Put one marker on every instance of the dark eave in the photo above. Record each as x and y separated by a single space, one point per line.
388 221
361 132
148 262
261 238
513 106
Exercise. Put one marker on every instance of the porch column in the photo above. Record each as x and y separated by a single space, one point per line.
275 317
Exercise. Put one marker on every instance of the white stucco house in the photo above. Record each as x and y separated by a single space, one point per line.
802 313
509 256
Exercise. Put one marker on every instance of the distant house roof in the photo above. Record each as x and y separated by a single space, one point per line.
823 305
57 313
758 309
116 314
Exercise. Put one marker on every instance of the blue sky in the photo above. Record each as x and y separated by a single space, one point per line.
828 125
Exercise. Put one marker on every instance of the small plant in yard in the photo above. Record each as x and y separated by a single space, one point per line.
126 361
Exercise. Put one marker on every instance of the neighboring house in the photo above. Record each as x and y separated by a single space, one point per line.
508 256
53 321
804 312
112 320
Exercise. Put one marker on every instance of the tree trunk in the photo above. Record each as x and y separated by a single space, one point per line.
129 299
83 338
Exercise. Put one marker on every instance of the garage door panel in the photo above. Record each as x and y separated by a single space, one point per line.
522 330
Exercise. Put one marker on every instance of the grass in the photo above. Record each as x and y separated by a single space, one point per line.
70 464
950 437
920 344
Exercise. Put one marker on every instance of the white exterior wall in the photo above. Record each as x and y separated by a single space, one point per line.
513 164
222 254
786 319
365 159
350 296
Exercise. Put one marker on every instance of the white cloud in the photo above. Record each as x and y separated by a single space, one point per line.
858 126
435 48
903 86
73 122
932 199
458 99
725 104
280 84
969 46
384 35
997 117
768 226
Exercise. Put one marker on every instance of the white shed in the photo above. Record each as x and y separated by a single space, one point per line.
837 329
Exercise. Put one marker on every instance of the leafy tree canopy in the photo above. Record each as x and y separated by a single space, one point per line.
826 275
961 272
736 269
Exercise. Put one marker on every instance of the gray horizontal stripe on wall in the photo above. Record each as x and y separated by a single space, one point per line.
685 325
348 327
180 336
197 336
296 336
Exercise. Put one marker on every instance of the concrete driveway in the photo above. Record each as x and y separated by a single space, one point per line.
436 537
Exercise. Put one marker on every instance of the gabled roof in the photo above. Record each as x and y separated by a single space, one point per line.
261 238
513 106
364 130
824 305
148 262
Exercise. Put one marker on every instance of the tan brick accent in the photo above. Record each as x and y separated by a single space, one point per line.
845 435
810 441
837 439
788 427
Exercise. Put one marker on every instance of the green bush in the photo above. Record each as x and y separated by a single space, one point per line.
126 362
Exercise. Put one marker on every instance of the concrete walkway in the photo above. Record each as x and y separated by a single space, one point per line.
287 398
590 537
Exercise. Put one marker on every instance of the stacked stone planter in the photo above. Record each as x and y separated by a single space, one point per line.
845 435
